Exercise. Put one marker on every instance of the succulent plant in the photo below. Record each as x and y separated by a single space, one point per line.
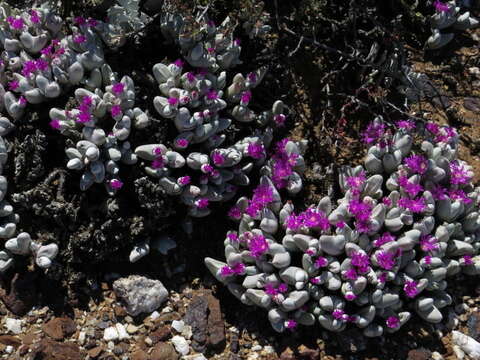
102 148
408 220
448 16
41 62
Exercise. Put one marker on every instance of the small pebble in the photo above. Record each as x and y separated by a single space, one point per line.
257 348
154 315
110 333
178 325
14 325
458 352
181 345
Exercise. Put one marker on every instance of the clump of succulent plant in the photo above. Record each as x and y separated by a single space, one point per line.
103 146
200 165
203 43
408 220
448 16
40 61
21 244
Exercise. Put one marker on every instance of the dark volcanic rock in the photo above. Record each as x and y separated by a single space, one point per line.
196 316
215 325
22 295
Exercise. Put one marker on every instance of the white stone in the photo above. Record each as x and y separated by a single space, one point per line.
140 294
181 345
154 315
14 325
257 348
81 337
9 349
178 325
122 332
466 344
110 334
187 332
131 329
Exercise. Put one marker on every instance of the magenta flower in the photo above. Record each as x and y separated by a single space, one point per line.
212 94
246 96
47 50
256 151
184 180
218 158
157 151
15 23
270 290
258 246
385 238
459 195
238 268
202 203
438 192
414 205
320 262
191 77
283 288
382 277
182 143
467 259
350 297
385 260
116 184
360 261
373 133
79 20
92 22
428 259
116 110
433 128
313 218
79 39
338 314
118 88
314 281
361 210
458 174
393 322
410 288
179 63
279 119
84 117
232 236
405 124
417 164
252 77
356 182
34 18
55 124
293 222
29 67
428 243
441 7
13 85
226 271
340 224
22 100
157 163
351 274
387 201
235 213
41 64
291 324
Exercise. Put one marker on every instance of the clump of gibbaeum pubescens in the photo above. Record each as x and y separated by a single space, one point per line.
408 220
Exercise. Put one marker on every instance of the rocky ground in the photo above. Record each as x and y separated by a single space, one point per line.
73 312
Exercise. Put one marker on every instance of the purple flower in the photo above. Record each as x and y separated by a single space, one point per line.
382 277
293 222
212 94
373 133
467 259
428 243
84 117
79 39
351 274
246 96
41 64
15 23
270 290
360 261
13 85
157 163
340 224
405 124
350 297
118 88
218 158
232 236
283 288
184 180
258 246
226 271
441 7
116 184
238 269
252 77
410 288
92 22
22 100
157 151
279 119
202 203
416 164
235 213
438 192
459 194
256 151
34 18
191 77
356 182
393 322
116 110
414 205
315 281
79 20
428 259
385 238
458 174
291 324
361 210
182 143
433 128
338 314
29 67
320 262
385 260
179 63
55 124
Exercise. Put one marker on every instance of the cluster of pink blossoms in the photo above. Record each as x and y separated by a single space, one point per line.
282 164
262 196
311 219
